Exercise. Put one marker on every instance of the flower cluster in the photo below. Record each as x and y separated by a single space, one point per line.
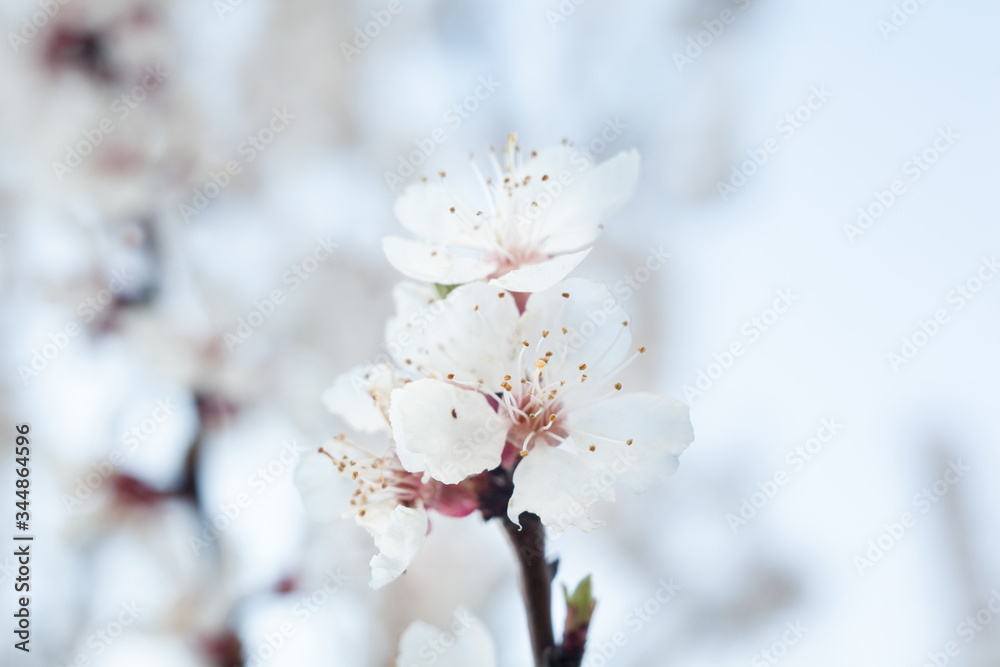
497 366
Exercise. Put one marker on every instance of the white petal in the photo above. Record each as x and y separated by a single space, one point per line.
398 534
540 179
416 304
358 396
411 298
595 333
573 219
465 643
324 493
559 486
446 431
472 334
659 427
541 275
421 261
425 209
551 162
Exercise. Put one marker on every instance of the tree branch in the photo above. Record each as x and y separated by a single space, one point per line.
536 574
536 584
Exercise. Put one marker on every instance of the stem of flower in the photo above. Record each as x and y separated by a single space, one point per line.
536 584
494 489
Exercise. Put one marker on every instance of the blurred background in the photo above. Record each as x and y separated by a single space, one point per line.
192 197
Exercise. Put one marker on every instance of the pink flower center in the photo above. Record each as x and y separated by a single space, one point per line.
536 418
510 258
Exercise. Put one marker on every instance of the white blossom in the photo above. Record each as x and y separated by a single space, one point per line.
361 397
384 498
536 222
542 383
466 643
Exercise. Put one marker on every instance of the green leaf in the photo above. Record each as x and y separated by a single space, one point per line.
580 605
444 290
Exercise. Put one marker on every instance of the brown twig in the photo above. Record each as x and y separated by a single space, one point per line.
536 574
536 584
